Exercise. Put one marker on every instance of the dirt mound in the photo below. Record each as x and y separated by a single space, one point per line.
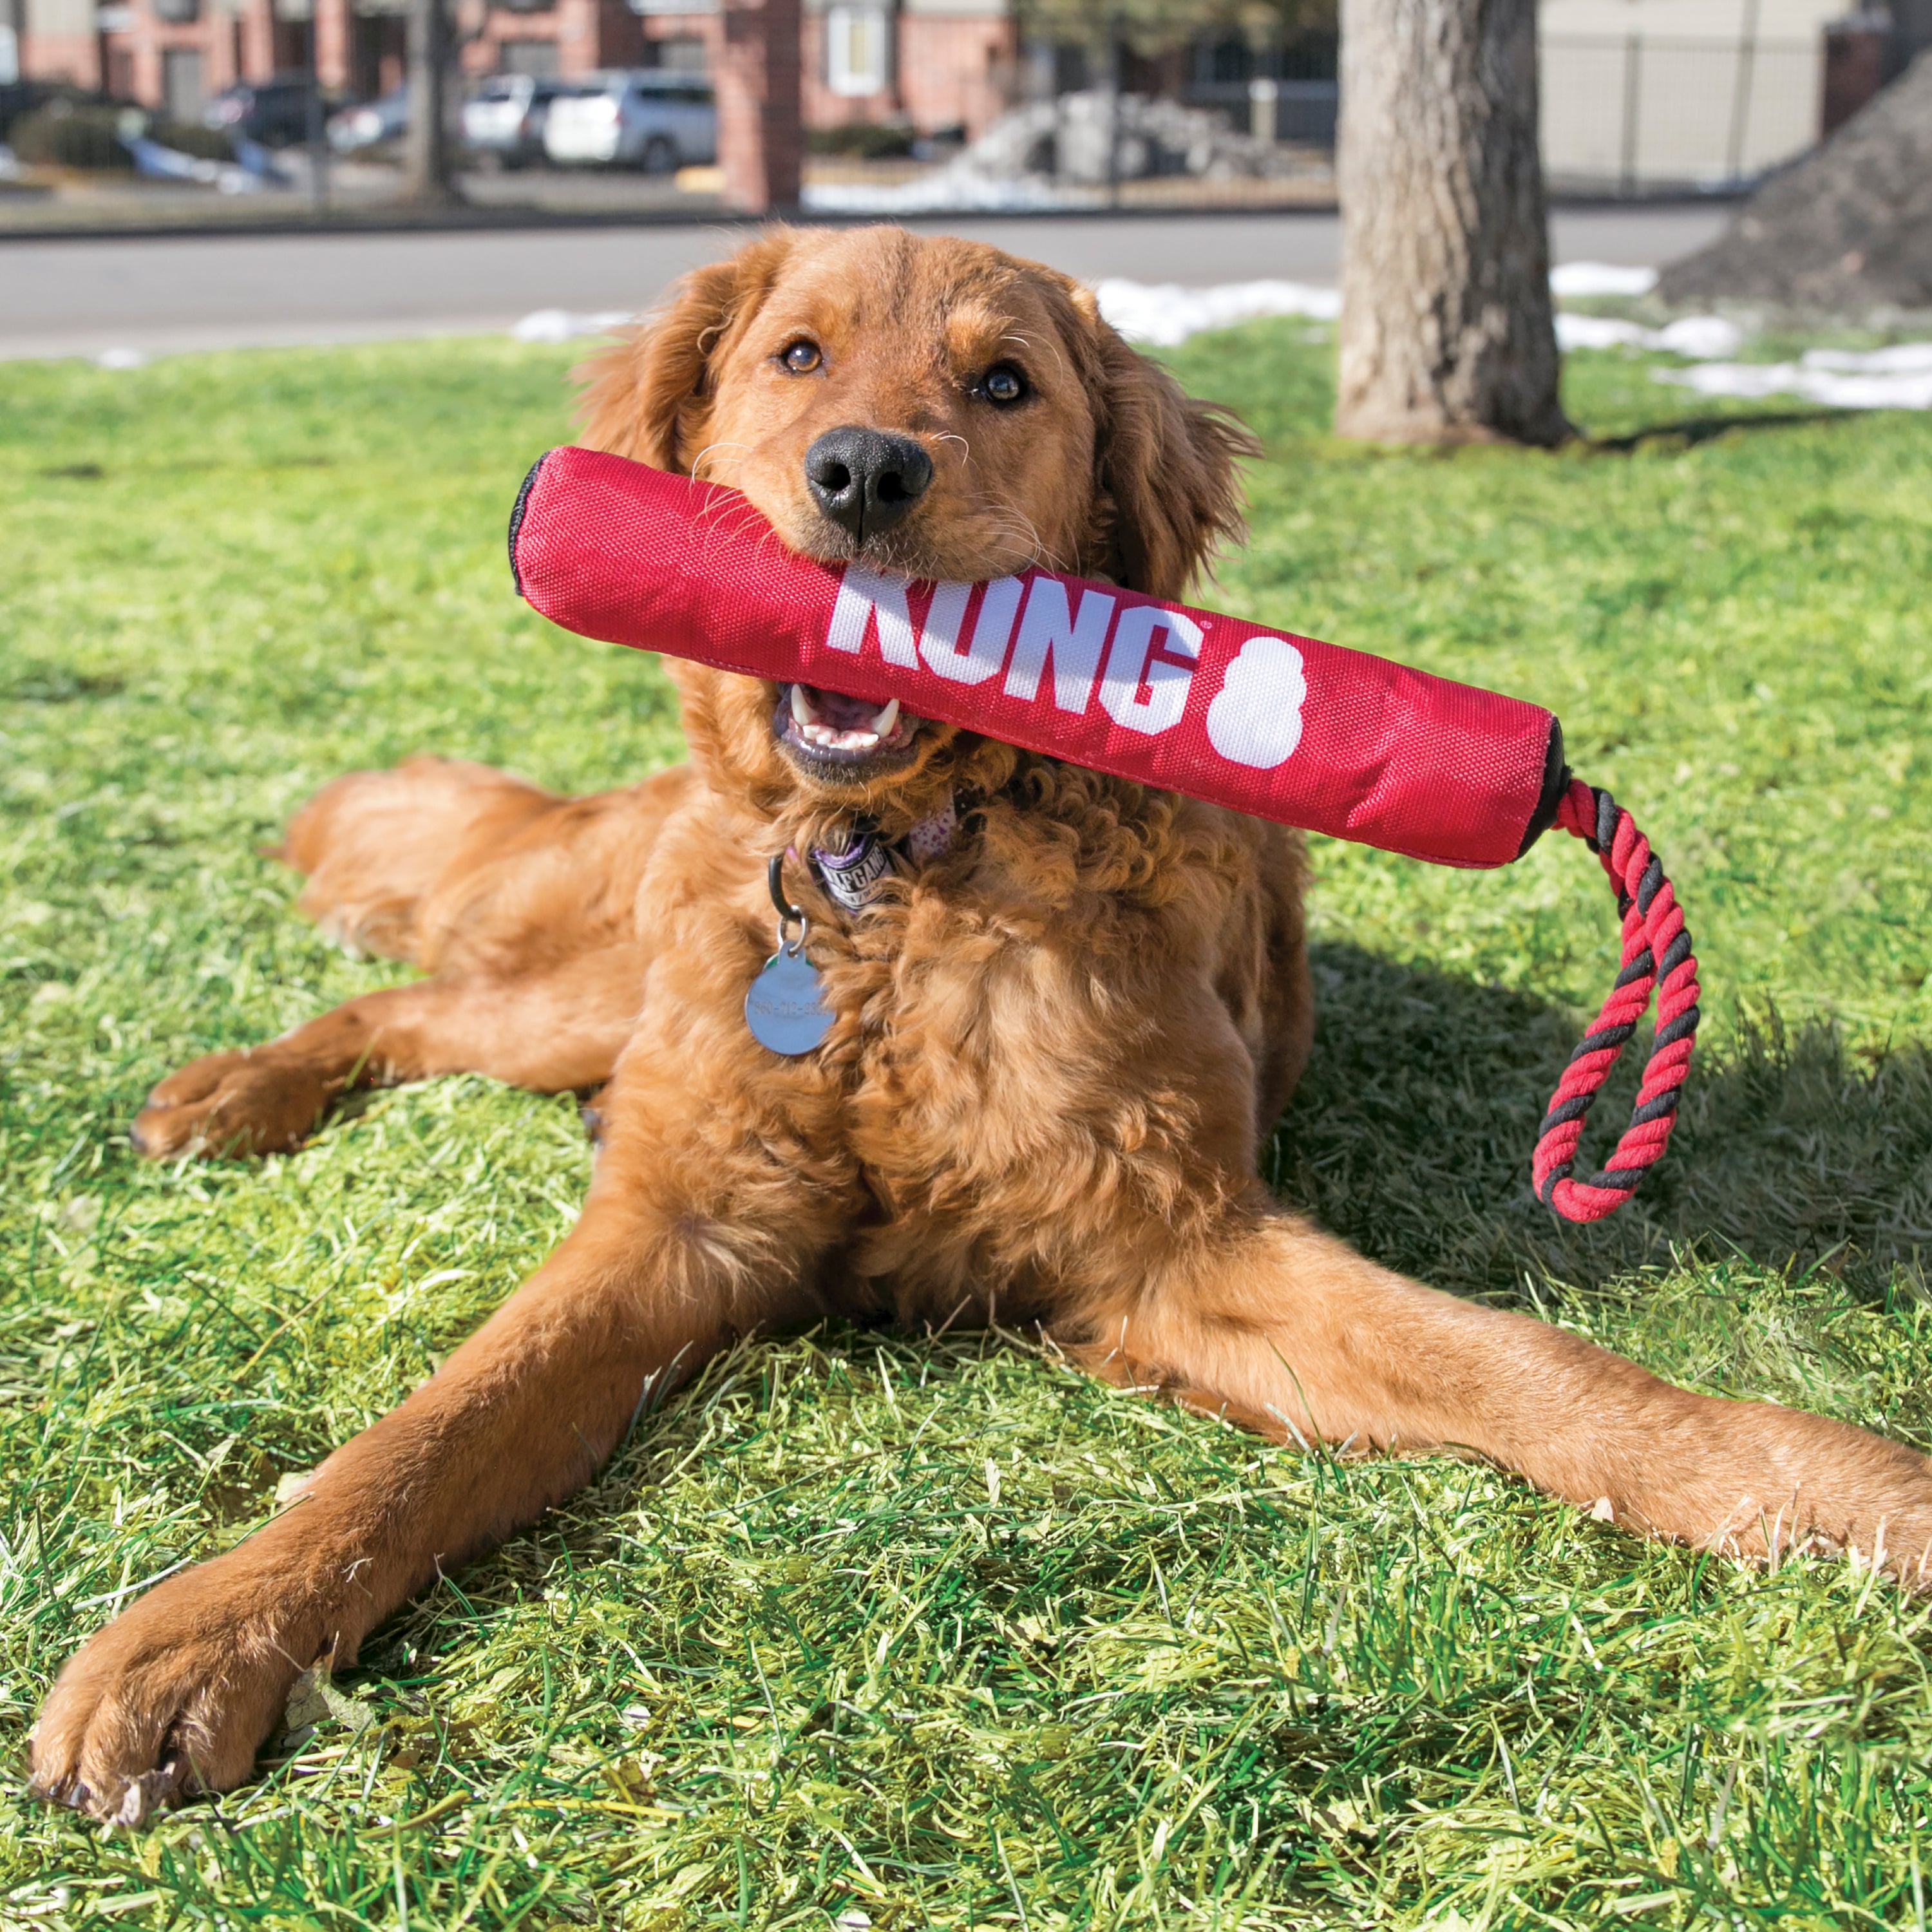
1846 231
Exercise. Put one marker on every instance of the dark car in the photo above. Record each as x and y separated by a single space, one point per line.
274 112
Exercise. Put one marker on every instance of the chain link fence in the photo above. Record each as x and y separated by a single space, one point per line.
1631 115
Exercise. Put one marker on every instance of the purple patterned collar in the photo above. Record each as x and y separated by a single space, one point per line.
855 877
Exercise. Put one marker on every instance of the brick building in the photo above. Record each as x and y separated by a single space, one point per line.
939 64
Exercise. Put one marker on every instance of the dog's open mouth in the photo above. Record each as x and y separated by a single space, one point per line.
830 733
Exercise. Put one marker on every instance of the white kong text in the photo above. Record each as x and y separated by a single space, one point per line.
1142 666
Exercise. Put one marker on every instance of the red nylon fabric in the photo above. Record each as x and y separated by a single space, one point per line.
1283 727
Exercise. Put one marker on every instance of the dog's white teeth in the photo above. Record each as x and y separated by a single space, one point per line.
834 739
802 712
883 724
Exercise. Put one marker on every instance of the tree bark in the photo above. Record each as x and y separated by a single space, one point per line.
1448 334
427 173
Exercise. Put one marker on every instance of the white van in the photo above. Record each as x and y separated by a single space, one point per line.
640 118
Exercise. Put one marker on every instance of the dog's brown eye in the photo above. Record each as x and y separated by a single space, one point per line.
802 358
1003 384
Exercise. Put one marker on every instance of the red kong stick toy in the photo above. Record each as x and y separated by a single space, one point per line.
1283 727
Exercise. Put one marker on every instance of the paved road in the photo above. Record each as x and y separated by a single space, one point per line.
159 295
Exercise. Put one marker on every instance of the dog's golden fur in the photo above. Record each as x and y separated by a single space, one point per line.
1056 1046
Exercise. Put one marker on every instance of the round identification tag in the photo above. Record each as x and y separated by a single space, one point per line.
785 1006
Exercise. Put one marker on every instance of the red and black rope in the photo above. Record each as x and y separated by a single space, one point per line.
1656 955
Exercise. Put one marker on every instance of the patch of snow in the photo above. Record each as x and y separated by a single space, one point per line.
1599 278
561 325
1700 338
1166 313
1904 358
1703 338
1063 153
951 188
1600 331
1899 378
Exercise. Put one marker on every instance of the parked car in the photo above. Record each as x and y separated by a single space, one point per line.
371 125
640 117
273 112
504 120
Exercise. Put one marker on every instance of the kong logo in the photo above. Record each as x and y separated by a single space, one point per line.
1140 661
1256 718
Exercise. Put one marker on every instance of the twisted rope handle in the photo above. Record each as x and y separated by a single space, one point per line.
1656 947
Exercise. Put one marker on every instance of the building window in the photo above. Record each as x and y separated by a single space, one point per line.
682 53
182 97
538 58
858 49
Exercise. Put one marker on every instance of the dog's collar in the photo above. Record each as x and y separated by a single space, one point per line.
855 877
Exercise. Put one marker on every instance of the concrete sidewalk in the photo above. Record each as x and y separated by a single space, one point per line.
155 295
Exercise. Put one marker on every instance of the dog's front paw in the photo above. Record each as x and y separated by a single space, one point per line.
172 1698
255 1102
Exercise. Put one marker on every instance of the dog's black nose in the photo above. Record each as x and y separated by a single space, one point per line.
865 480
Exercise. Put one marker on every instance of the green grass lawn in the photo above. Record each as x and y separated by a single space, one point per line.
935 1631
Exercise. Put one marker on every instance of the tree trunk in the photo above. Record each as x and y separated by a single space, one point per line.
427 173
1447 334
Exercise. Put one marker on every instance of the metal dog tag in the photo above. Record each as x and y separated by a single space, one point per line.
785 1007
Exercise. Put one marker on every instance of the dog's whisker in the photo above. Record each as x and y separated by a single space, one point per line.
1053 349
698 461
1035 550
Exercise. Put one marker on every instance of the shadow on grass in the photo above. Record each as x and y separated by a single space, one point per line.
1411 1133
1691 430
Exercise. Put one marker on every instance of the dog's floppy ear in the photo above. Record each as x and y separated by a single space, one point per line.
1168 495
647 396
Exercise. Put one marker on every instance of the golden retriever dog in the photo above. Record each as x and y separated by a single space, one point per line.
1063 1025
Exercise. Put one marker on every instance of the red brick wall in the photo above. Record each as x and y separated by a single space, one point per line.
135 56
705 27
589 34
760 135
955 69
951 70
72 57
332 32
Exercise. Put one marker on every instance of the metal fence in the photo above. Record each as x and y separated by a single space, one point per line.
1632 114
1281 94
